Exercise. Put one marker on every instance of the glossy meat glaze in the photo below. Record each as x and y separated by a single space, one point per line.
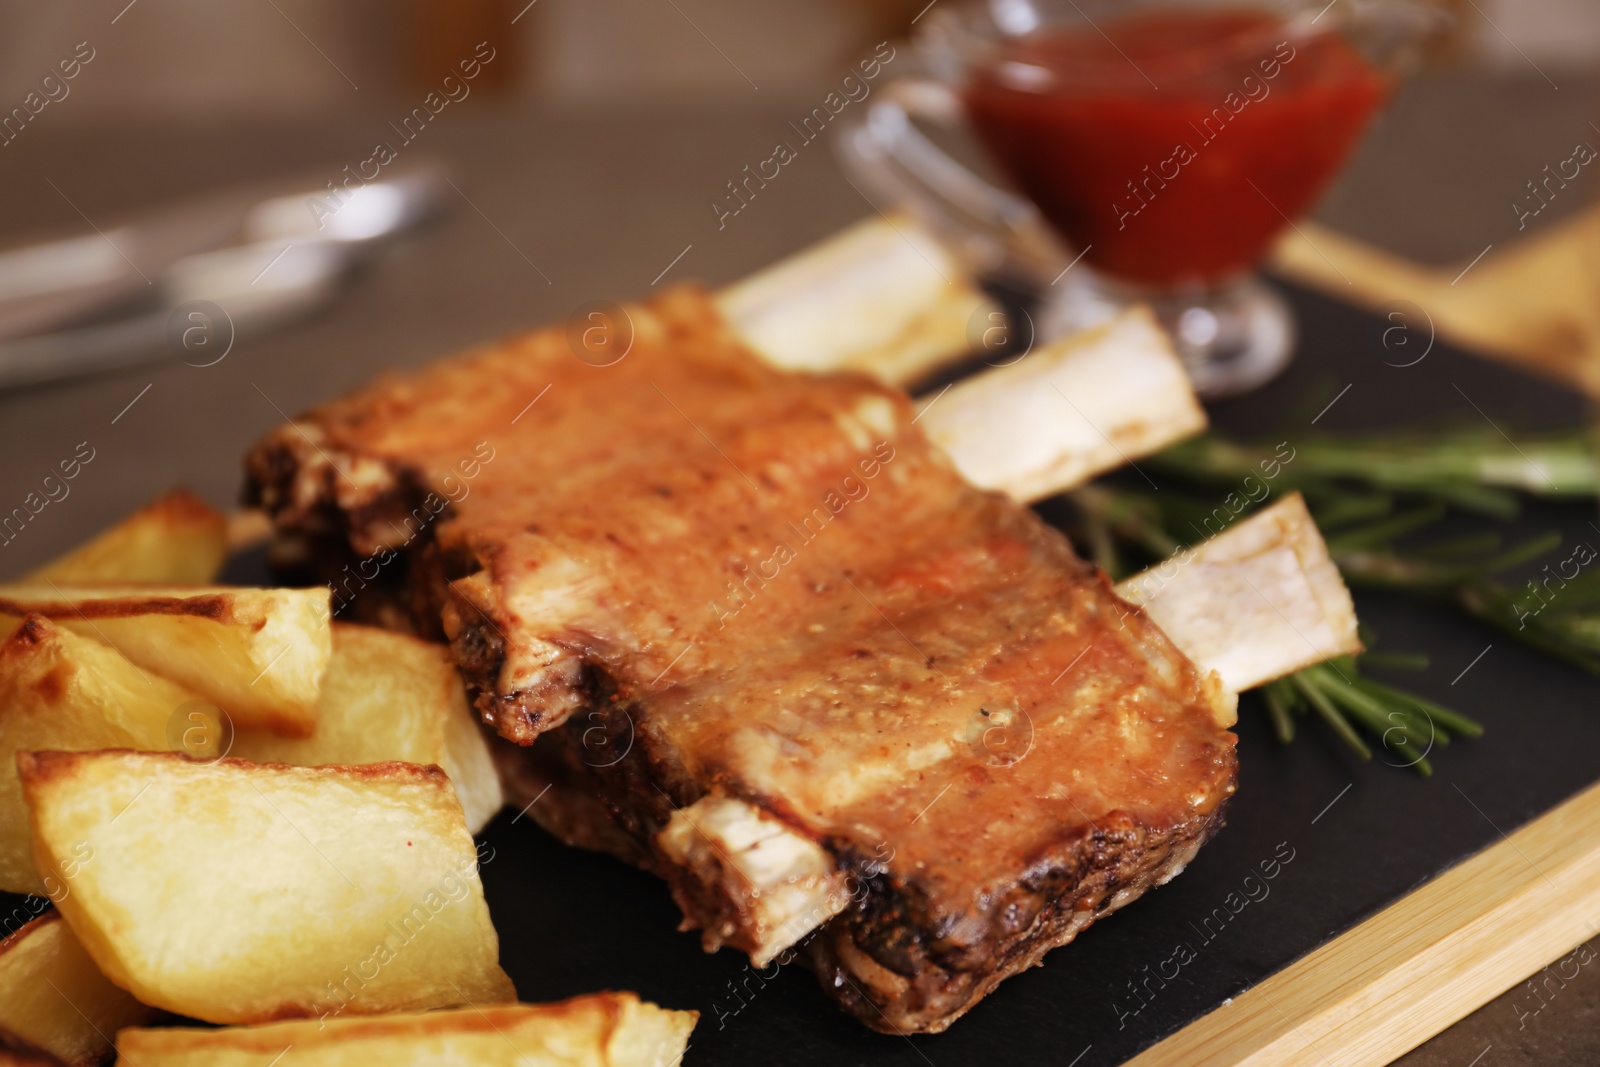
740 581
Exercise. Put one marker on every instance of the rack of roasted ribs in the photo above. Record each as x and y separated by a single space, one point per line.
776 644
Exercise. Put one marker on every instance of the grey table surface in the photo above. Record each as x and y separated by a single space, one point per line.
562 207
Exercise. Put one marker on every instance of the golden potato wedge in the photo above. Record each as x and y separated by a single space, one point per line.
54 1000
238 892
388 696
62 691
176 539
258 653
600 1030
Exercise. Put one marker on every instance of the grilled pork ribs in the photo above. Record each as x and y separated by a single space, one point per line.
730 608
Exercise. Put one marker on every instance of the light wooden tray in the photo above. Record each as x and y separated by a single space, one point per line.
1534 302
1472 933
1419 965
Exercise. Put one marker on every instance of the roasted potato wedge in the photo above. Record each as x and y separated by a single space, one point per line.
176 539
62 691
601 1030
259 654
54 1000
238 892
388 696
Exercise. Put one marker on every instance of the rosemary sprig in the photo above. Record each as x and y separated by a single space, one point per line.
1570 632
1404 724
1473 468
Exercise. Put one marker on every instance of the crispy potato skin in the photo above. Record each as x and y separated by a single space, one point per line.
55 1006
50 766
260 654
389 696
183 878
59 690
599 1030
176 539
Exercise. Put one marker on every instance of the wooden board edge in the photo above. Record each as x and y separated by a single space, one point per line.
1419 965
1531 306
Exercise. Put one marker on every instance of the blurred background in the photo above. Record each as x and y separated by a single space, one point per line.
296 58
1505 92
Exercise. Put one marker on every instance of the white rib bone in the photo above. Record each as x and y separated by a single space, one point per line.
1068 411
882 297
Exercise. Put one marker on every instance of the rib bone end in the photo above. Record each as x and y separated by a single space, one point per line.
746 879
1069 410
882 297
1258 601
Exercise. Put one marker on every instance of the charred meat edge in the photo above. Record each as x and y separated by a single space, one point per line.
882 959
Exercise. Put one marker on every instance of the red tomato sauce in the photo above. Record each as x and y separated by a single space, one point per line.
1174 146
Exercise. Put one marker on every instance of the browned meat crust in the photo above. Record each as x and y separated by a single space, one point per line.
697 576
884 959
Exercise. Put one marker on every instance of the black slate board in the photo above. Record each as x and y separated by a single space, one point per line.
1348 838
